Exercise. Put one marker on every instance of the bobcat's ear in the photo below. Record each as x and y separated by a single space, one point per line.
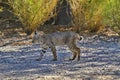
35 32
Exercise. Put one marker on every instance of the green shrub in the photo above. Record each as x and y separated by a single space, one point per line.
86 14
111 14
1 9
78 16
33 13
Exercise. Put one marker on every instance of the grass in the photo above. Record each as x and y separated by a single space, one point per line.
33 13
91 15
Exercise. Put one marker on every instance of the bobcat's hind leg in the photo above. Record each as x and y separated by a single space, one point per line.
74 56
73 52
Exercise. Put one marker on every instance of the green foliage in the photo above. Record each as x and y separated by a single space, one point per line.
92 14
33 13
87 14
77 13
111 14
1 9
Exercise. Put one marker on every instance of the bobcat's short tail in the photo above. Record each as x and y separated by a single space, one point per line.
79 37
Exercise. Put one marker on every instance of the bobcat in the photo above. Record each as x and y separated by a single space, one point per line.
51 40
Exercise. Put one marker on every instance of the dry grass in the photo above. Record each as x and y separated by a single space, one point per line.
33 13
90 15
78 14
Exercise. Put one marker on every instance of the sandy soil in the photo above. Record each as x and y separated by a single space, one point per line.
100 60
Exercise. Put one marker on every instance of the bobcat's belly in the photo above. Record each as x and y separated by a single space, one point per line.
57 43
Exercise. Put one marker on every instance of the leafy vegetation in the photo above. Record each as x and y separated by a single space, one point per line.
32 13
95 14
1 9
111 14
90 15
87 14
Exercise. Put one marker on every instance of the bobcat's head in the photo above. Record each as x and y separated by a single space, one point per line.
38 37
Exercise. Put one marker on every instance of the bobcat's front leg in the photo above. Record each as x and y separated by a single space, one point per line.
53 49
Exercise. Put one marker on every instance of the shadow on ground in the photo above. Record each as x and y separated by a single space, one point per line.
98 61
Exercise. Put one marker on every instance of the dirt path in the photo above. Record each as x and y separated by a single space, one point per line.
100 60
